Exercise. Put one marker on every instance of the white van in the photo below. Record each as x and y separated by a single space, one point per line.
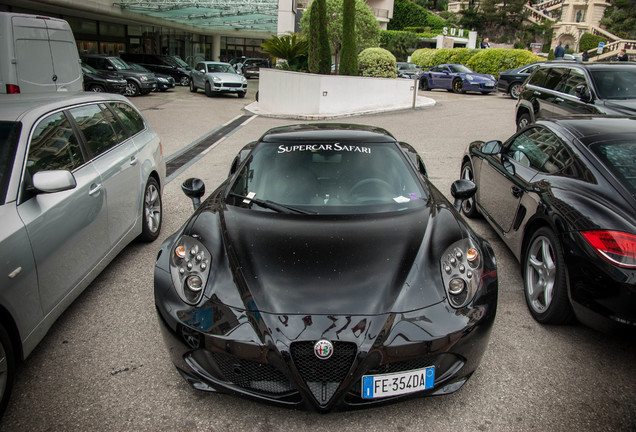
37 54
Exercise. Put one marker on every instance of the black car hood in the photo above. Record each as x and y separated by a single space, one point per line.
626 106
353 264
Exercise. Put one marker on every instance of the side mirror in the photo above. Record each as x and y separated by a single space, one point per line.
462 190
53 181
582 91
491 147
194 188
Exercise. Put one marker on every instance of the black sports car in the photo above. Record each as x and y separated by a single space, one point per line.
562 196
510 81
326 272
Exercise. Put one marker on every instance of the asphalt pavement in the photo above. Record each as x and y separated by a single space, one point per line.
103 366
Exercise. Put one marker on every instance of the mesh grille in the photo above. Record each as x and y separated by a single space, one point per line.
323 377
252 375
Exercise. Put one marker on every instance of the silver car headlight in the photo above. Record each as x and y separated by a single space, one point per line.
470 78
462 269
216 79
190 268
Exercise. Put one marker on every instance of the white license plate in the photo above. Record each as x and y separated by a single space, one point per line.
395 384
489 85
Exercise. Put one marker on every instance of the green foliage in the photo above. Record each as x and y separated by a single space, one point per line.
367 27
324 49
349 57
313 46
407 15
490 61
519 45
589 41
377 62
292 48
400 43
620 19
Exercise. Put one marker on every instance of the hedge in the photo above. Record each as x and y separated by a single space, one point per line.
491 61
377 62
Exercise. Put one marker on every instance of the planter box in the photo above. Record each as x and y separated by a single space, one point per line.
312 96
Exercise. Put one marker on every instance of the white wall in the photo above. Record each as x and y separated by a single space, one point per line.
293 93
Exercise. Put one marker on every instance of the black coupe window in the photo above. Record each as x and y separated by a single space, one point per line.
328 178
540 149
620 159
616 82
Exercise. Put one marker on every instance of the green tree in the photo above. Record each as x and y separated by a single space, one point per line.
367 27
319 52
400 43
290 47
349 58
620 18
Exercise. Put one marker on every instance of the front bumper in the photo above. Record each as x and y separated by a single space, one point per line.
480 86
229 88
270 357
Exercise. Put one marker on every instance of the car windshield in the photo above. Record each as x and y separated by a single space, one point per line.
9 134
619 157
138 67
460 68
179 61
332 178
617 82
407 66
220 68
119 64
89 69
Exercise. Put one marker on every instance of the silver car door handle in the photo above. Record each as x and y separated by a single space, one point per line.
133 160
537 93
94 190
559 99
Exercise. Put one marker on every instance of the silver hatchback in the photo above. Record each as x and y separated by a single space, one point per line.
80 177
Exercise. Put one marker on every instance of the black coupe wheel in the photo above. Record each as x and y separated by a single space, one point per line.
208 89
469 207
515 89
132 89
458 86
97 88
193 89
523 121
544 279
424 84
7 369
152 213
184 81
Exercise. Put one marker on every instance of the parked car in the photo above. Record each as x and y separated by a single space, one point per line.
408 70
162 64
252 66
164 82
217 78
558 89
457 78
561 194
97 81
80 177
510 81
38 55
137 83
277 287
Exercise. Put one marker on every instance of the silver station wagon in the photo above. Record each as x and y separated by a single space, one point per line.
80 178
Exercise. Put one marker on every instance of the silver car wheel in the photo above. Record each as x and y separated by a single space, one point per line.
515 89
152 208
184 81
540 274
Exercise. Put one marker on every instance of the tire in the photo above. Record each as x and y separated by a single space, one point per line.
544 279
184 81
241 95
152 214
208 89
132 89
424 85
193 89
97 88
514 90
485 92
7 369
458 86
469 206
523 121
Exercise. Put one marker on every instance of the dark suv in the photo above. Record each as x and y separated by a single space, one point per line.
163 64
136 82
559 89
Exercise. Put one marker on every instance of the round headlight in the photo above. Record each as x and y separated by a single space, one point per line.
456 286
194 283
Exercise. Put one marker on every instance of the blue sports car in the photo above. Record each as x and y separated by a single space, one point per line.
457 78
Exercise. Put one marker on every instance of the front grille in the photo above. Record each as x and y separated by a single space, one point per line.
323 377
251 375
235 85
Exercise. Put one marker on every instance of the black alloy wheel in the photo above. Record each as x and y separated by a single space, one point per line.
458 86
523 121
544 279
97 88
184 81
193 89
424 84
208 89
132 89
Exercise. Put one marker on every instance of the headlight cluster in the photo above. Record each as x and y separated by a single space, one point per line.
190 268
143 78
461 272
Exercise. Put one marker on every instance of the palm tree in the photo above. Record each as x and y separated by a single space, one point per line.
290 47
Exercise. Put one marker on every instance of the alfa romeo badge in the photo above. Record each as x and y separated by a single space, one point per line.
323 349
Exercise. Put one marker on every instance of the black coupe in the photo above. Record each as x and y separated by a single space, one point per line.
562 196
326 272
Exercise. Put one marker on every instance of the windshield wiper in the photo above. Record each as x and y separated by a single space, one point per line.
280 208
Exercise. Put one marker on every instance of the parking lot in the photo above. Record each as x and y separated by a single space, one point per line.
103 365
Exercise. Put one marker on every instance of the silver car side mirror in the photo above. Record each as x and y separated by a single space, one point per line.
53 181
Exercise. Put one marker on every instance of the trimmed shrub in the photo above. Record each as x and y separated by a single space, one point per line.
589 41
490 61
377 62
